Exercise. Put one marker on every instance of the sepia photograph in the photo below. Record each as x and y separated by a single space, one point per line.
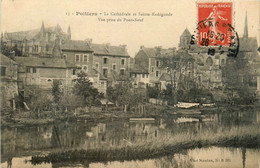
130 84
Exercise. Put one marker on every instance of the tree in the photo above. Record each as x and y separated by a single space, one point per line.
56 92
153 92
68 99
38 100
126 96
9 51
237 76
84 88
177 65
168 94
120 94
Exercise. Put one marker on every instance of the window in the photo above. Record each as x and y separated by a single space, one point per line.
74 72
157 63
122 71
77 58
105 60
209 61
152 69
143 75
114 67
35 48
28 69
97 65
65 56
135 75
157 74
105 73
189 74
123 61
85 57
47 47
34 70
199 78
3 71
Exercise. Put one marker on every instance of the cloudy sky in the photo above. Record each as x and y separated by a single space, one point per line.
20 15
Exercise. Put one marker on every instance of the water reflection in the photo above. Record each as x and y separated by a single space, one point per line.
213 157
20 142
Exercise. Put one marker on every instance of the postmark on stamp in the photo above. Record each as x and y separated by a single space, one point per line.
214 22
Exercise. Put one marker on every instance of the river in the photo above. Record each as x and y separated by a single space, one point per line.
20 143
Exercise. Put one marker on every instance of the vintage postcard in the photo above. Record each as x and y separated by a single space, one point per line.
133 83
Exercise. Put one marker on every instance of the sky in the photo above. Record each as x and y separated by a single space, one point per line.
21 15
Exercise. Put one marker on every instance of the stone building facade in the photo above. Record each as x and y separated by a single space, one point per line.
80 54
111 62
49 53
9 83
44 72
148 61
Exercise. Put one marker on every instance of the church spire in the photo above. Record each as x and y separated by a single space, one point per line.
42 30
69 33
245 35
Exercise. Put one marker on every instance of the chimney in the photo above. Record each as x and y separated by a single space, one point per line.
69 33
89 41
158 50
107 46
124 47
245 35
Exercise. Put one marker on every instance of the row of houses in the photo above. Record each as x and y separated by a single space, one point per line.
46 56
193 66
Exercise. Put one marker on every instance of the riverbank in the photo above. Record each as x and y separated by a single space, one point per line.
156 147
23 118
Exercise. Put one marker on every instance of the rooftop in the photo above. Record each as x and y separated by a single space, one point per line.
158 51
76 45
4 60
31 34
138 70
107 49
42 62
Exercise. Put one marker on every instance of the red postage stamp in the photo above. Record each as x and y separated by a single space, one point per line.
214 22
